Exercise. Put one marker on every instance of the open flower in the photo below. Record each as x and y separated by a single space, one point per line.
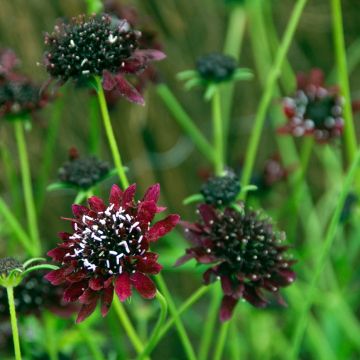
245 253
109 249
98 45
314 110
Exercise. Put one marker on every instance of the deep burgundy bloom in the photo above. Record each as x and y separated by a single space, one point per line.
245 253
109 249
98 45
314 110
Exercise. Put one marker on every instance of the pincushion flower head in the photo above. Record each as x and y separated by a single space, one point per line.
315 109
109 249
245 254
98 45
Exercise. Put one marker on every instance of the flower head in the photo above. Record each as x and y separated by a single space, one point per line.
314 110
83 172
98 45
109 249
221 190
245 252
8 264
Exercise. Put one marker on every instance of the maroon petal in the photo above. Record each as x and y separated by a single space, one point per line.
96 284
79 210
143 285
150 54
123 286
76 276
128 91
185 258
148 265
116 195
227 307
163 227
128 196
88 297
64 235
152 193
207 213
253 296
106 300
96 204
73 292
85 311
108 81
57 254
226 285
146 211
210 276
56 277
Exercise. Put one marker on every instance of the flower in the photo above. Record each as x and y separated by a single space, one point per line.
109 249
314 110
221 190
98 45
245 254
8 264
83 172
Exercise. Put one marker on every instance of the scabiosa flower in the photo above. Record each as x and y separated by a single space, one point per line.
245 252
314 110
98 45
109 249
221 190
84 172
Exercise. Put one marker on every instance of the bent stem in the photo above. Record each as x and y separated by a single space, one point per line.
156 331
27 186
268 92
178 323
218 132
322 258
14 327
110 135
126 323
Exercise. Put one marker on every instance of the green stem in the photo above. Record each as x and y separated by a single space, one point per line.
338 29
96 354
269 90
178 323
50 341
322 258
209 325
154 339
221 340
14 327
218 133
126 323
95 130
185 121
110 135
27 186
15 226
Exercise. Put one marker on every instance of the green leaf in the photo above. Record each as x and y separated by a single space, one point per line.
193 198
186 74
59 185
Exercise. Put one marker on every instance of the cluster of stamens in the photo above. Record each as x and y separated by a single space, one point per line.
107 243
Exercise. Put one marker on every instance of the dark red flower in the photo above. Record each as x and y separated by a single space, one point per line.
314 110
98 45
245 253
109 249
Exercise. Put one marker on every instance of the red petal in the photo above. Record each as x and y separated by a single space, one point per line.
88 296
227 307
116 195
147 264
57 254
123 286
79 210
163 227
128 196
152 193
128 91
106 300
150 54
226 285
108 81
208 213
183 259
210 276
96 284
73 292
56 277
64 236
76 276
146 211
253 296
143 285
96 204
85 311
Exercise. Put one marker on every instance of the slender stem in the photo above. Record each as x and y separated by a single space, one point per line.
342 68
27 186
322 258
15 226
189 302
209 325
268 92
221 340
154 339
14 327
178 323
185 122
95 131
218 132
96 354
110 135
126 323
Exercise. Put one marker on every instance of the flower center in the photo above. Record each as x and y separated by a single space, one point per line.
320 110
107 243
